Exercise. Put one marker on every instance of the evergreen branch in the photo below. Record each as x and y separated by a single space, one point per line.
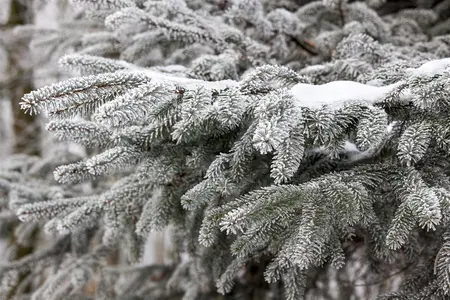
80 94
91 65
82 132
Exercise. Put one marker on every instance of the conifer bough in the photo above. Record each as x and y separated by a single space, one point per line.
333 94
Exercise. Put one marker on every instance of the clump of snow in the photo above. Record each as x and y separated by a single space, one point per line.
188 83
352 151
351 147
335 94
346 147
431 68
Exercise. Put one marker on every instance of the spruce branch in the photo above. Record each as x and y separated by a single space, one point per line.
91 65
50 209
82 132
79 95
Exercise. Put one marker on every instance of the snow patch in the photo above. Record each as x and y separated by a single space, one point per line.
352 151
188 83
431 68
337 93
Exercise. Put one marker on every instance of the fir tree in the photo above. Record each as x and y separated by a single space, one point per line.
296 150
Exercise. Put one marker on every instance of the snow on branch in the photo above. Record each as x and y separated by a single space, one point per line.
337 93
78 94
333 94
431 68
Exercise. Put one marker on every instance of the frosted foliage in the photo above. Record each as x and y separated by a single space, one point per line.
280 149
